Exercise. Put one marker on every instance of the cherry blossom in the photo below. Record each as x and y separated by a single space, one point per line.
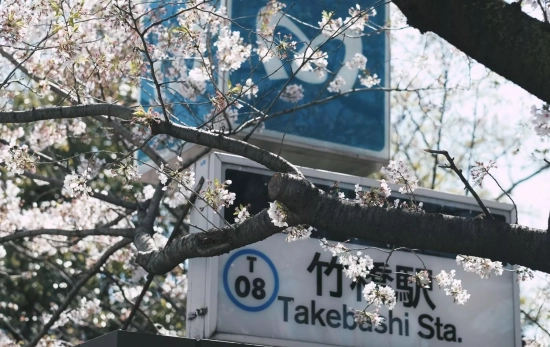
359 61
480 170
18 159
379 295
421 278
335 85
356 265
369 81
480 266
298 232
292 93
365 317
359 18
541 120
242 214
398 172
445 280
329 24
312 60
231 52
75 184
217 196
277 213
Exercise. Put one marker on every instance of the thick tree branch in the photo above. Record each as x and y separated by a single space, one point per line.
476 237
208 139
70 233
91 273
206 244
66 112
496 34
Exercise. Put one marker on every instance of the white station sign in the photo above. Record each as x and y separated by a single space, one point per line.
297 291
276 293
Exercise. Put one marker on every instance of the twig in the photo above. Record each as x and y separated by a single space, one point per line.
135 308
453 167
508 195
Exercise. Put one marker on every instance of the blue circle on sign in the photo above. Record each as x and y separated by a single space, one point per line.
226 281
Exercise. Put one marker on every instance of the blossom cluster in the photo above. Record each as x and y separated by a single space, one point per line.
375 197
366 317
379 295
127 171
400 173
359 61
356 265
18 159
370 81
524 274
480 170
356 23
480 266
75 185
292 93
266 28
180 180
277 212
231 52
421 278
242 214
217 196
444 280
541 120
335 249
312 60
335 85
298 232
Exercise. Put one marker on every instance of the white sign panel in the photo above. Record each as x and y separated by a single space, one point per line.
296 291
276 293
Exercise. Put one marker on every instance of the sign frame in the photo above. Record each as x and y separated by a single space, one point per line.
203 272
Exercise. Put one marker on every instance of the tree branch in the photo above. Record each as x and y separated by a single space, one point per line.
66 112
208 139
496 34
206 244
485 238
69 233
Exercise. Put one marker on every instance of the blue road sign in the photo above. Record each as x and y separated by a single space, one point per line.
356 120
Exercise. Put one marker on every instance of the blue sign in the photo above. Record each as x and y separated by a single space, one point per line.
352 120
251 284
358 119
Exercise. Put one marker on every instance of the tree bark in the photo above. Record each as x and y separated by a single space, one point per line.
205 244
496 34
484 238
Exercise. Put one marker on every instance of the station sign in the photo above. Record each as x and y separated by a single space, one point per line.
274 290
295 294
